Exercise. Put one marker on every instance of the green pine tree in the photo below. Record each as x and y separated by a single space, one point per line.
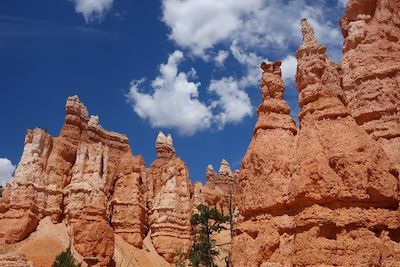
65 259
205 223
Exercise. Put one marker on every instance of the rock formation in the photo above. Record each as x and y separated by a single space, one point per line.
170 204
263 180
73 176
334 180
14 261
128 205
371 69
219 187
324 194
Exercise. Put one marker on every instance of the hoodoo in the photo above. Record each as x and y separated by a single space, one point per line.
336 199
170 203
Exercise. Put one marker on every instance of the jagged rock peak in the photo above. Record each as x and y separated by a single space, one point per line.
210 167
310 45
164 146
271 82
274 111
76 107
225 168
308 32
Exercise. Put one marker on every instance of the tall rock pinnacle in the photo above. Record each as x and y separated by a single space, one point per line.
263 182
170 205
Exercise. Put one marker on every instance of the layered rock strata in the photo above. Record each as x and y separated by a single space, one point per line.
371 69
335 180
128 204
170 201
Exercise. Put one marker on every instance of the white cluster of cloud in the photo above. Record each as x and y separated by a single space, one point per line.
246 31
256 26
92 10
6 170
174 100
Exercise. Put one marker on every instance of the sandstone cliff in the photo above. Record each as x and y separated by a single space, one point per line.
334 180
371 69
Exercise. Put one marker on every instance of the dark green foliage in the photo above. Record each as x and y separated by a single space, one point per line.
1 191
180 259
205 223
65 259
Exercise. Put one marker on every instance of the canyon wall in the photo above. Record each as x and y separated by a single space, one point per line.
325 193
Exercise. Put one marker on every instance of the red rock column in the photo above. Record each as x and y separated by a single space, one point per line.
342 179
264 178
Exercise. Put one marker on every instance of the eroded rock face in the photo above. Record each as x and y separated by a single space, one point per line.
334 181
264 177
170 201
74 176
219 187
128 205
371 69
92 176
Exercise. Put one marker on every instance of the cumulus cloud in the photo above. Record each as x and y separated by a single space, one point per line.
255 26
6 170
200 24
173 101
234 103
221 57
289 67
92 10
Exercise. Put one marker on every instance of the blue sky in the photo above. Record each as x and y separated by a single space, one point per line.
187 67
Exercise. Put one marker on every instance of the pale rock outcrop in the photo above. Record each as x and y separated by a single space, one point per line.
92 175
74 176
24 198
170 201
198 196
128 205
371 69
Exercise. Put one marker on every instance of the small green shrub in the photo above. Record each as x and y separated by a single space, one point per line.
65 259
